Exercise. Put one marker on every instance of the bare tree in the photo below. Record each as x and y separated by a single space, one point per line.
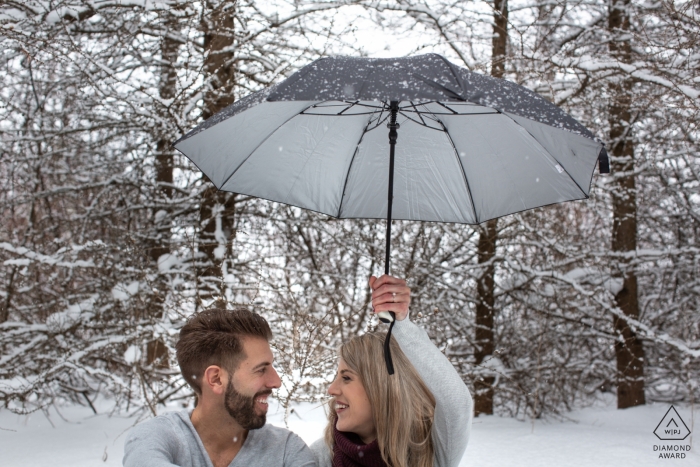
216 209
488 235
629 351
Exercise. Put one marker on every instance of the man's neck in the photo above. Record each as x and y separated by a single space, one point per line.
221 435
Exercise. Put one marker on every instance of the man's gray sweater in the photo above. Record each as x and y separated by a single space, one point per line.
171 440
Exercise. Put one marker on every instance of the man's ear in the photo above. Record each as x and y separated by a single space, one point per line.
216 379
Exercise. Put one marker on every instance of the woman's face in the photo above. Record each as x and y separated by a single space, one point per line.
352 404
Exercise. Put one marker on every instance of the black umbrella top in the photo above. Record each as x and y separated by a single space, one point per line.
422 78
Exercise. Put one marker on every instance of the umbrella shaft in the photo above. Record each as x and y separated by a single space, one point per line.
393 135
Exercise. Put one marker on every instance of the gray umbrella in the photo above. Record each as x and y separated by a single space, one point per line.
471 147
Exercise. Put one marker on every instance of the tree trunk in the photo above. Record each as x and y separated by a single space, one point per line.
500 38
216 210
483 386
485 342
164 155
629 351
5 306
156 350
218 64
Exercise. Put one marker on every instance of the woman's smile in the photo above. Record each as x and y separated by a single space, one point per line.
340 407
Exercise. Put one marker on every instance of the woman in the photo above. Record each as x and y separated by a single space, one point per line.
419 417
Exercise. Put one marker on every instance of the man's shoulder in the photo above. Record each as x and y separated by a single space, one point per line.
161 439
319 445
274 434
275 437
276 445
321 452
162 425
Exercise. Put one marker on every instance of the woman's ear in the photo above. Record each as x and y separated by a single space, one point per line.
215 380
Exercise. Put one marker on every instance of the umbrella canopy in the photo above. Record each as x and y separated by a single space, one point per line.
470 147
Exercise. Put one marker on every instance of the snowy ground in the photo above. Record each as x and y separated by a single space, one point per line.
594 437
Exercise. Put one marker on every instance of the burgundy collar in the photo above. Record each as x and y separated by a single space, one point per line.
349 451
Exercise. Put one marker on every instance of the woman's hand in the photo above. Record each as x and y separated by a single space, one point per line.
390 294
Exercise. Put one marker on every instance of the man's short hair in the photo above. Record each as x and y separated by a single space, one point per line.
214 337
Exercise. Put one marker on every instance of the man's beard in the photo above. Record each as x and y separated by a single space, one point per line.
242 408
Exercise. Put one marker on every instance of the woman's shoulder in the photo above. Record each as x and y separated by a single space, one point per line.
321 452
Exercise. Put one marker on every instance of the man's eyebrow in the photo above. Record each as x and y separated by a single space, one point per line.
260 365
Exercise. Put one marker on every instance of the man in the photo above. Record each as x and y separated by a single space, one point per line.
225 357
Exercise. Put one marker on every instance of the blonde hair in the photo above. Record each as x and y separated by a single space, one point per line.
403 407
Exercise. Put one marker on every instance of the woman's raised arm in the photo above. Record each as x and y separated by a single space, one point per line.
454 406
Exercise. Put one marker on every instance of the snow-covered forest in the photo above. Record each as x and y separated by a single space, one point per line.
109 238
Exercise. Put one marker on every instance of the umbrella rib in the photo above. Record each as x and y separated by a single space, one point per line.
379 120
352 104
260 144
464 174
347 174
340 114
406 114
454 112
422 122
418 113
553 157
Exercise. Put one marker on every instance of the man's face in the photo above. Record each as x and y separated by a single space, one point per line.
251 384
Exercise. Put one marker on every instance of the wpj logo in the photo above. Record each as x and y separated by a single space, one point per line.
672 428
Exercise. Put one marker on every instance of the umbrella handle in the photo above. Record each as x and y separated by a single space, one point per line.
387 341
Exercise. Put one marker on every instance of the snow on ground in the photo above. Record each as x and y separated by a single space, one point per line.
602 436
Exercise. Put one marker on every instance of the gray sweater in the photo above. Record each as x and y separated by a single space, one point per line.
454 408
171 440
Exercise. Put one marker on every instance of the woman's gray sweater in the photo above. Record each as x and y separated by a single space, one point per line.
454 407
